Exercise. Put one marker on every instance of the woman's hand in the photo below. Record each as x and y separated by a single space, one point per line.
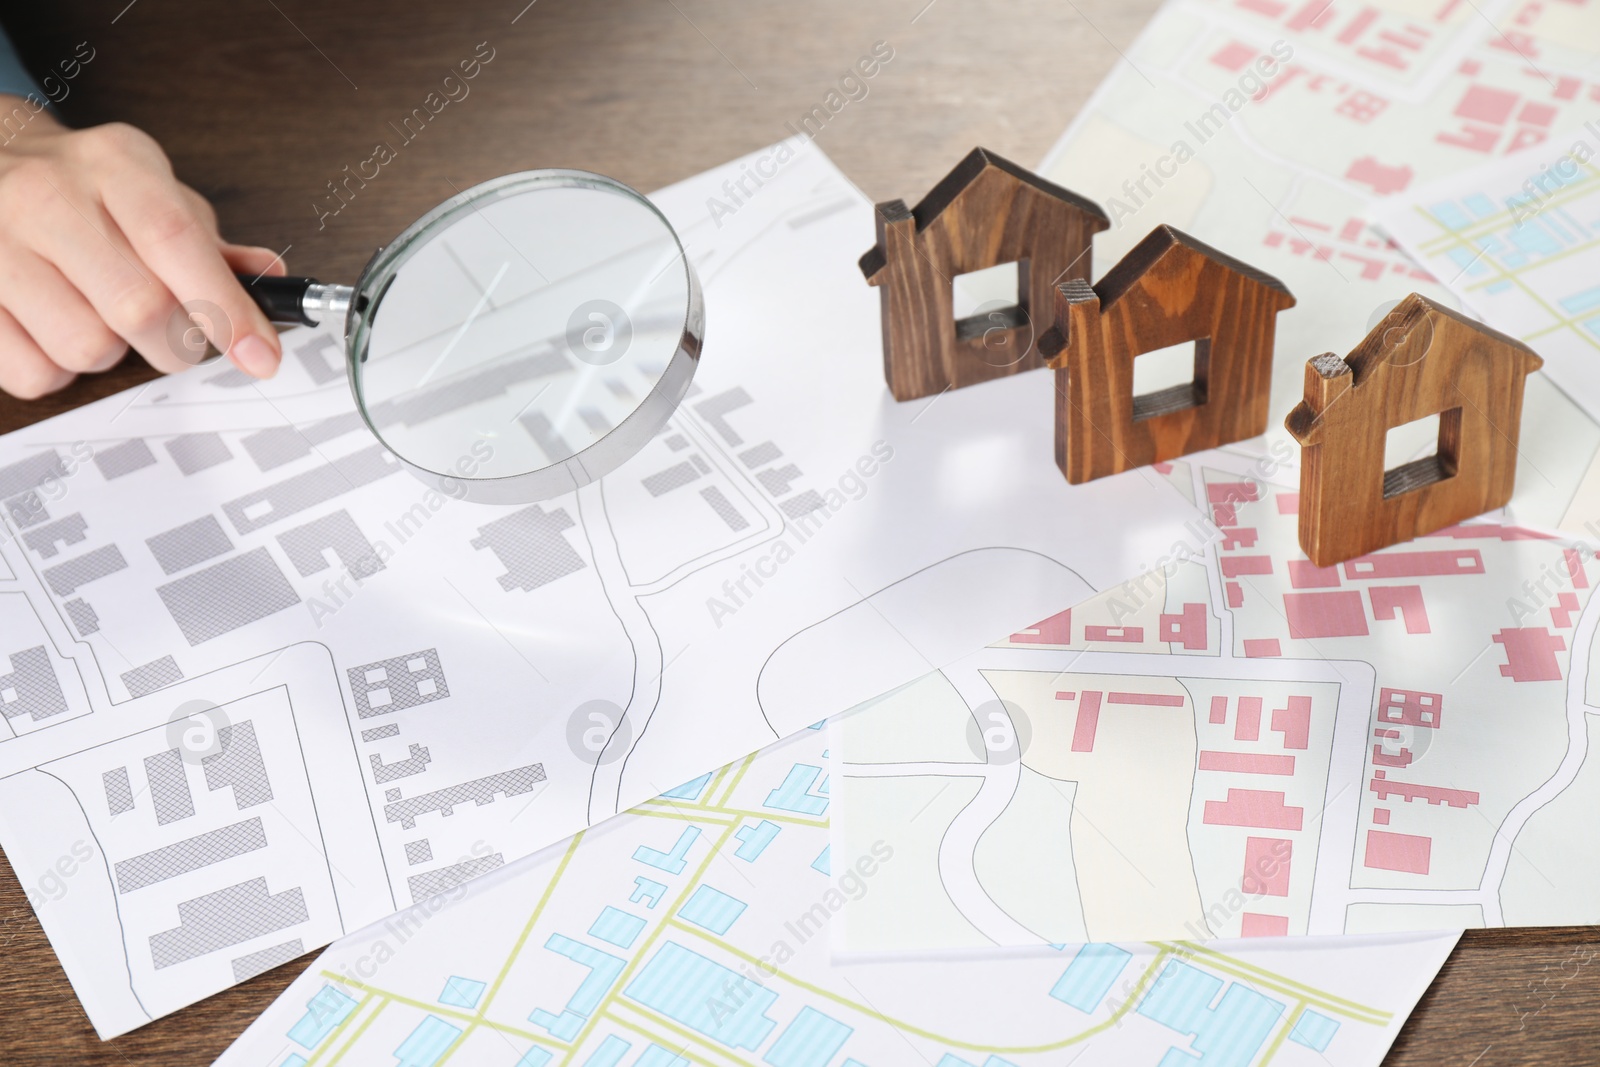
99 247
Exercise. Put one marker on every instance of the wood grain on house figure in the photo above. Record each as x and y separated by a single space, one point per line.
1423 359
986 212
1170 289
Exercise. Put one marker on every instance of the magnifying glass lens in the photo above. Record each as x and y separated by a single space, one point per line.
527 336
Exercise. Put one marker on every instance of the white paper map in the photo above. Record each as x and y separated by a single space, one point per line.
1518 241
694 929
380 693
1286 172
1254 746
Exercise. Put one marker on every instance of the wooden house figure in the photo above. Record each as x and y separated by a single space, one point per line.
1422 360
985 213
1170 289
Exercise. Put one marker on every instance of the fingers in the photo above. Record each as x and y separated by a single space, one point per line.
202 208
90 250
252 261
100 248
166 233
25 371
57 317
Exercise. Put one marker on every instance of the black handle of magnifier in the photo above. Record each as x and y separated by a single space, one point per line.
282 300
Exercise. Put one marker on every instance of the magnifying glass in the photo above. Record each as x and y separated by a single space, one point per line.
520 340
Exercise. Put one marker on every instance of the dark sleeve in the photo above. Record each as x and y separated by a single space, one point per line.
14 76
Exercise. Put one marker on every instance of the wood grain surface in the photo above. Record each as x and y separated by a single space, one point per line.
1169 290
261 103
985 213
1420 360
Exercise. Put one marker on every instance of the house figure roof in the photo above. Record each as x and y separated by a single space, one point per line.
980 168
1167 252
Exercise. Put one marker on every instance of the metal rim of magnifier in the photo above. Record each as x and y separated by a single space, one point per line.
602 457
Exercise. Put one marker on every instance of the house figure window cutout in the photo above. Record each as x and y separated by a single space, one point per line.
1422 359
986 212
1169 290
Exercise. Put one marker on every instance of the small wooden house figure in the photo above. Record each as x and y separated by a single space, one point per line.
1422 360
1170 289
986 213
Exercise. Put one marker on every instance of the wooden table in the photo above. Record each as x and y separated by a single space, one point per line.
261 103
